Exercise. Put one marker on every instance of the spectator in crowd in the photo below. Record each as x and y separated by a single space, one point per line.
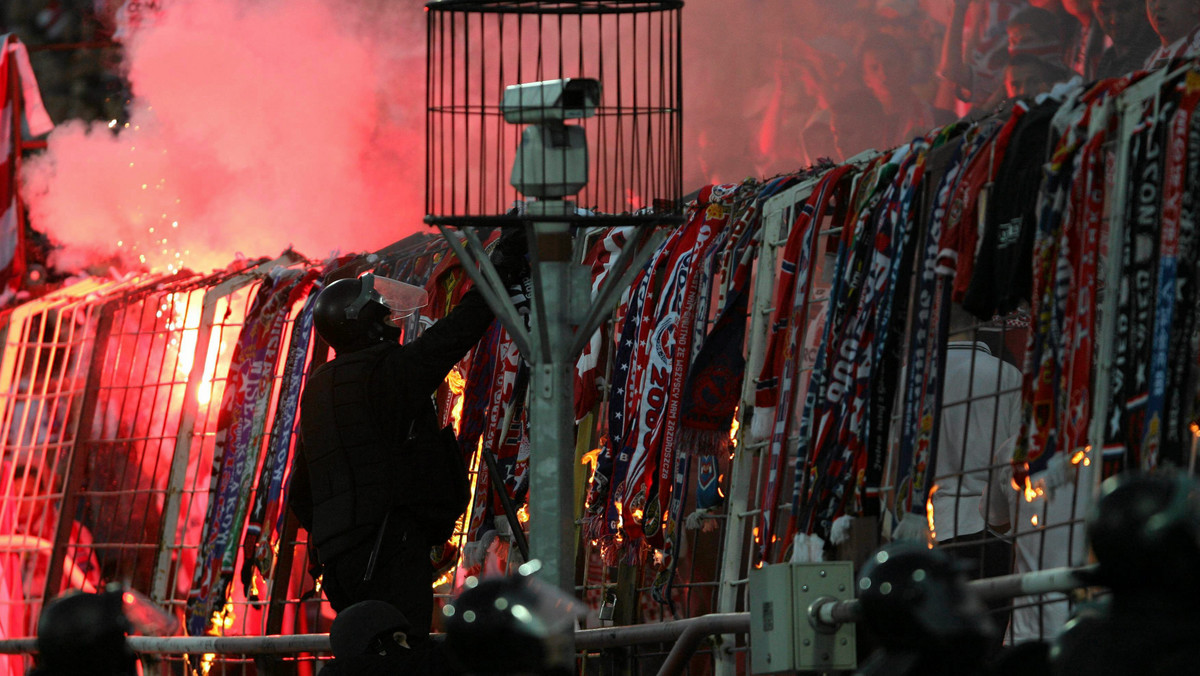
1027 75
1035 31
998 31
1177 23
1088 45
975 51
1132 38
887 71
854 121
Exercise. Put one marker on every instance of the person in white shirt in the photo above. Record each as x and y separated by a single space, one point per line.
980 419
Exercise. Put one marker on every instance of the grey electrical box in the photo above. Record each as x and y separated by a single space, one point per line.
782 637
771 636
822 648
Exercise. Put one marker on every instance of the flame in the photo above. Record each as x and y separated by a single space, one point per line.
929 510
1195 428
591 458
184 318
1034 520
444 579
637 515
1081 455
457 383
1030 492
733 430
523 514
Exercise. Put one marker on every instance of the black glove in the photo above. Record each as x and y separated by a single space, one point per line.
511 256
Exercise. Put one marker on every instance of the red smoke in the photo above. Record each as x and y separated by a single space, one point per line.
259 124
254 126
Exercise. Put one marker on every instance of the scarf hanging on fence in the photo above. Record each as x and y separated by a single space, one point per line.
1083 233
1145 209
1176 132
887 355
1130 384
591 362
633 361
499 365
607 486
836 405
927 338
676 459
844 427
666 355
262 529
238 439
1037 437
774 395
1178 408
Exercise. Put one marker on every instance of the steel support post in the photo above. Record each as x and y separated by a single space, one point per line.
551 410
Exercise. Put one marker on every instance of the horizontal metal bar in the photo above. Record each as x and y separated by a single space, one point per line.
585 639
225 645
833 613
658 632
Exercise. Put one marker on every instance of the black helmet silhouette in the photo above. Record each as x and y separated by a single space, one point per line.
85 634
916 598
351 314
1145 532
513 624
357 629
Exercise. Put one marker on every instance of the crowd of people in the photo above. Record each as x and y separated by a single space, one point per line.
882 71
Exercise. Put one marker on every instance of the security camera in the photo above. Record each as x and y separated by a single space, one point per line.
552 160
565 99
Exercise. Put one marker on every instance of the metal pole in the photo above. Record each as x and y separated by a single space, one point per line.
551 411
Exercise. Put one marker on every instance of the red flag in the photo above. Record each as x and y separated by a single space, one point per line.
19 101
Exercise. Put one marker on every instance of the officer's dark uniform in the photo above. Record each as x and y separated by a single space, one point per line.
373 449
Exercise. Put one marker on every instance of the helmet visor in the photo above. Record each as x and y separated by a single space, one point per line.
401 299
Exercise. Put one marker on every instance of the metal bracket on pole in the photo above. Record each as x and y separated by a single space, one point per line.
785 635
481 271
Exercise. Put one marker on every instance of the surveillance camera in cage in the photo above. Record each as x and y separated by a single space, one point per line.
551 100
552 160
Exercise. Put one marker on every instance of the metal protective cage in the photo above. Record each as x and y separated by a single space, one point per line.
477 48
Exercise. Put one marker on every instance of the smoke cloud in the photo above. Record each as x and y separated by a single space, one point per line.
261 124
254 126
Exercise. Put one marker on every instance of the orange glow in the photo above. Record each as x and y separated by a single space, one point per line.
1034 520
733 429
591 458
444 579
457 383
1030 492
523 514
1081 455
184 319
929 510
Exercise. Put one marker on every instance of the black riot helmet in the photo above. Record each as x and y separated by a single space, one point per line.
351 314
514 624
916 599
367 627
1145 533
84 633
